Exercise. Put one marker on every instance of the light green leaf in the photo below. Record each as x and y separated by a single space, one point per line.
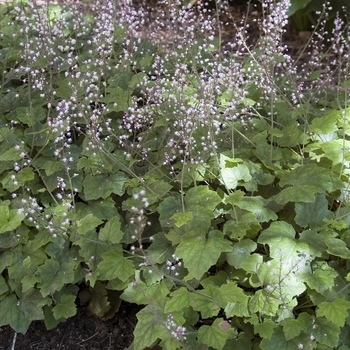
252 264
335 311
101 186
312 214
207 301
111 232
325 124
180 299
233 300
168 341
336 224
335 150
9 219
215 336
87 224
321 278
290 259
115 265
257 205
65 308
241 252
232 173
137 79
263 303
337 247
237 308
11 154
265 329
293 327
29 282
199 253
277 230
201 197
147 329
24 175
245 224
182 218
52 166
139 292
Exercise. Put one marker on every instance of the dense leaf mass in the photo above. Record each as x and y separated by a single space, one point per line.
144 159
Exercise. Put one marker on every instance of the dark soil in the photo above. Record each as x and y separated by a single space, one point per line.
84 331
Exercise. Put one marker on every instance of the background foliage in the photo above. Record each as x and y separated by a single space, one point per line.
212 190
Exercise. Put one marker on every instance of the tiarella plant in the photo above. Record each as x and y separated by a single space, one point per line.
144 160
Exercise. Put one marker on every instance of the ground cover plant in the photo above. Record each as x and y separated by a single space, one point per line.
144 160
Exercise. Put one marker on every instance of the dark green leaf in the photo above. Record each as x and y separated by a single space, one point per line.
54 276
306 175
326 332
312 214
297 194
101 186
19 313
65 308
278 341
115 265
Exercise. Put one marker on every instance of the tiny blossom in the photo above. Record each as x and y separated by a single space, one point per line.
178 332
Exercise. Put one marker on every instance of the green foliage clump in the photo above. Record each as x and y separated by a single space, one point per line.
143 160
